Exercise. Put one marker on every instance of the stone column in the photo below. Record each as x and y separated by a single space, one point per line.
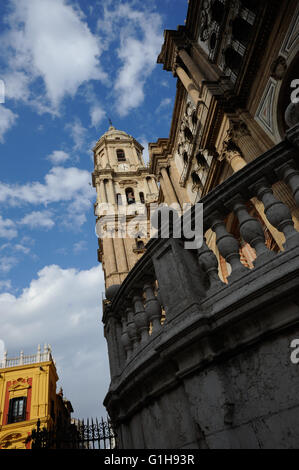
120 252
191 66
110 191
180 190
110 261
148 185
105 157
231 153
188 84
152 185
101 193
168 186
240 134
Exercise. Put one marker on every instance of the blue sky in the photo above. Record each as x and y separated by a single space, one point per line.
67 66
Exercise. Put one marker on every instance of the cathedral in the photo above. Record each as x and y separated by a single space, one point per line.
200 340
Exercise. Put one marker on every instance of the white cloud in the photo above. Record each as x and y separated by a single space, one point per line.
2 350
97 114
22 248
50 39
7 263
80 246
5 285
16 85
7 228
7 120
38 219
164 104
62 307
140 34
69 185
78 134
58 156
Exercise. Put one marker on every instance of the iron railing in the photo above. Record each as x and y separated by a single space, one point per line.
90 434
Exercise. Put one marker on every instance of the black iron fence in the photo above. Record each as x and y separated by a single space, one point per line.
90 434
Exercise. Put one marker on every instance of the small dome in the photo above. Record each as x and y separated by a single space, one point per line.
113 133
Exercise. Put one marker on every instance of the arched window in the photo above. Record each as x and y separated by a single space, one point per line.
130 196
120 155
185 158
142 200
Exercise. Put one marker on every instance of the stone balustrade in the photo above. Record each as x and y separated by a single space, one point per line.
196 276
206 320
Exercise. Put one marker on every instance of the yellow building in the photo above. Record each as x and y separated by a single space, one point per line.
28 394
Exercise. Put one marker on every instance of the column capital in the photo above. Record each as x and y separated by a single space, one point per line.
237 129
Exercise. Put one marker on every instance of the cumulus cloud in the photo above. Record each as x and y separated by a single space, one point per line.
5 285
38 219
165 103
7 228
69 185
78 134
58 156
7 120
140 38
2 348
97 114
80 246
7 263
62 307
50 39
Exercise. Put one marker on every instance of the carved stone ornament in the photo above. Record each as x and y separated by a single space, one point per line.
278 68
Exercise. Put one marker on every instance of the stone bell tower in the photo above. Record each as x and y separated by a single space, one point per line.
123 183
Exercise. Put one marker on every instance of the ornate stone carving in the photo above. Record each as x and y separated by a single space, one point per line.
278 68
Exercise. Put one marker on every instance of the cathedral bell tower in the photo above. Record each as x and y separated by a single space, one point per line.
125 186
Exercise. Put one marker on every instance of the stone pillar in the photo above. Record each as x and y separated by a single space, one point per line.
240 134
120 252
191 66
188 84
231 153
105 157
168 186
148 185
163 187
181 192
152 185
101 193
110 191
110 261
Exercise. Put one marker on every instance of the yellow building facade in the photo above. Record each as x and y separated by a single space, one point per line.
28 394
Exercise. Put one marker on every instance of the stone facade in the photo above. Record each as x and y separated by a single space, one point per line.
199 340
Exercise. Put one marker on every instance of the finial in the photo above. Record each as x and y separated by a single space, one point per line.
110 122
